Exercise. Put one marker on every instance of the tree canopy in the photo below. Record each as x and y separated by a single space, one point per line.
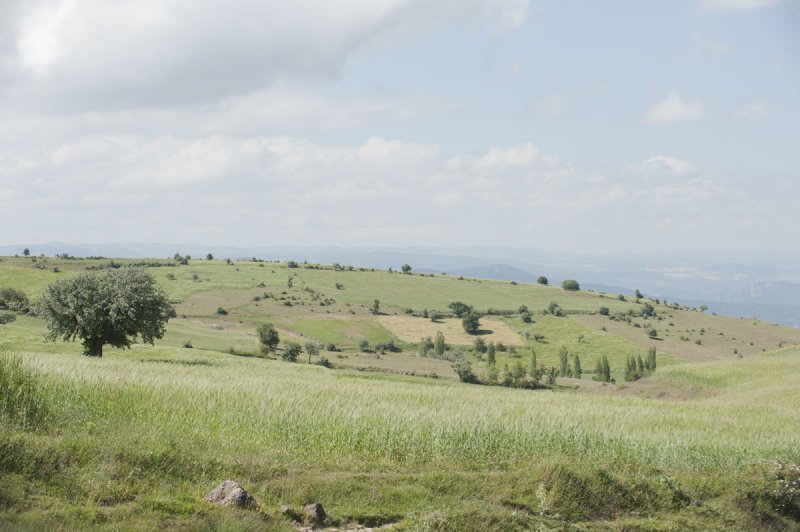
112 307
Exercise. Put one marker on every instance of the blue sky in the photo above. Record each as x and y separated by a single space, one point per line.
575 126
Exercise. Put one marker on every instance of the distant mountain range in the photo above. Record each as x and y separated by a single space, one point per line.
767 287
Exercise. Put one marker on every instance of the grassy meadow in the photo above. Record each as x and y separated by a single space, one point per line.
134 439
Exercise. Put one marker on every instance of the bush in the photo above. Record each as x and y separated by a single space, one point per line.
464 372
14 300
221 311
291 351
526 317
570 284
604 311
364 346
7 317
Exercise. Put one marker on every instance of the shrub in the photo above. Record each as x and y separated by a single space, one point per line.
570 284
526 317
14 300
464 372
221 311
291 264
604 311
364 346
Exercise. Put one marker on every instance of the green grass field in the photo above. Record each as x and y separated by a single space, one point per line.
133 440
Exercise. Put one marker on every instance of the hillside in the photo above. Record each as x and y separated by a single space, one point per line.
136 438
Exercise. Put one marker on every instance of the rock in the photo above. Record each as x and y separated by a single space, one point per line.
285 508
314 512
230 493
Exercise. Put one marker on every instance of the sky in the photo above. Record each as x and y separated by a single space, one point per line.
599 127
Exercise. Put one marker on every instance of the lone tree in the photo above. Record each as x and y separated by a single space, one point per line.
471 322
268 338
112 307
542 280
26 252
406 268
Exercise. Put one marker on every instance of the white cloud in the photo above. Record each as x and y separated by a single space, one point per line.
734 5
662 164
751 111
673 108
262 190
99 54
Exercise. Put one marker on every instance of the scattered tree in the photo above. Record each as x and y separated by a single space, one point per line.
425 346
570 284
406 268
268 338
113 307
291 351
638 294
26 252
577 371
459 309
312 349
491 354
650 361
479 345
652 333
563 358
604 311
376 307
542 280
438 344
209 256
471 322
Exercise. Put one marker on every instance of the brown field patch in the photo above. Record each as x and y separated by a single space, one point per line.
411 329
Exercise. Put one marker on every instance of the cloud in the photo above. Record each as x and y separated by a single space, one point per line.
751 111
734 5
673 108
662 164
282 189
98 54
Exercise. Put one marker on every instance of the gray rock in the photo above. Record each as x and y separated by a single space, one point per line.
314 512
230 493
285 508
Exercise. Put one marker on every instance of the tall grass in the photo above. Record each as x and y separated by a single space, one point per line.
219 406
21 397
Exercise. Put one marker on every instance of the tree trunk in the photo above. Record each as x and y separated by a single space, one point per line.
93 347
